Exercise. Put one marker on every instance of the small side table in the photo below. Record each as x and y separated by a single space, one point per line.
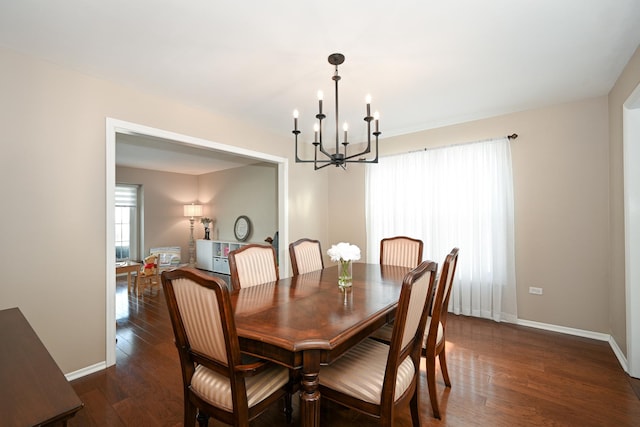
128 267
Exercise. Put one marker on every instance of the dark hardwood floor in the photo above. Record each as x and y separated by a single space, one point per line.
502 375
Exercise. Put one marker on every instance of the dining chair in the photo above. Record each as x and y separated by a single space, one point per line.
253 264
401 250
218 380
435 342
376 378
306 256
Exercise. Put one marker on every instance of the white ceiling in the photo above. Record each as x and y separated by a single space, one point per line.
426 63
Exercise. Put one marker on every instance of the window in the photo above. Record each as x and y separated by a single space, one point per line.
126 221
459 196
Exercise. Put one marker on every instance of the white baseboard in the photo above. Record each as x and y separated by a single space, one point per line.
621 357
564 330
86 371
581 333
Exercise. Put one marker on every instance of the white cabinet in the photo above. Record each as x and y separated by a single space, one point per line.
221 265
212 255
204 255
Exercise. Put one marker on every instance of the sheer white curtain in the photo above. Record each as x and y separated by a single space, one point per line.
459 196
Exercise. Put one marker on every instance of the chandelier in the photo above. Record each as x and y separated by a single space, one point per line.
337 157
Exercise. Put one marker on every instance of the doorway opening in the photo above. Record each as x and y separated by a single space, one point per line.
114 127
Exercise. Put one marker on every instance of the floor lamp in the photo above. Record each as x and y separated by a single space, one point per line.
192 211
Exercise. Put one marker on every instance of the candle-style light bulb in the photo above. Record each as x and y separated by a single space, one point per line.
376 117
345 127
295 119
368 101
316 129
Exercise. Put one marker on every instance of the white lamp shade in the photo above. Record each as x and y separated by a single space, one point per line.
192 210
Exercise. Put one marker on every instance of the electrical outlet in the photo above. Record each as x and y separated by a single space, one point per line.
535 291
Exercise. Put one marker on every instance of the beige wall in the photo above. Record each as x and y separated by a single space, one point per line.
53 168
561 186
164 195
627 82
251 190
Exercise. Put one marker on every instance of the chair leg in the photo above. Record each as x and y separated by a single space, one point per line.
443 367
386 419
294 380
190 412
203 419
415 410
288 410
431 383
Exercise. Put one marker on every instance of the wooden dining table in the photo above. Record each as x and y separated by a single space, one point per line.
307 321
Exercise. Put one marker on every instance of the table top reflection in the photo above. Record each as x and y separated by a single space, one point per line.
311 311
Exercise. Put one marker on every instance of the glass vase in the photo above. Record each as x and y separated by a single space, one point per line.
345 276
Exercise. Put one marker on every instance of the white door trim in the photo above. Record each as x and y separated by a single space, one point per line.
631 165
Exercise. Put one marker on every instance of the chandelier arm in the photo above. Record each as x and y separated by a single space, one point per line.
298 159
375 159
347 159
366 151
329 161
326 163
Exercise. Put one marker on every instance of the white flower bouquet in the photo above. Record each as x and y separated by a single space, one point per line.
345 254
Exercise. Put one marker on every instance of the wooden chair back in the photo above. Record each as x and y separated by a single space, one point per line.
205 334
435 336
306 256
409 327
376 378
440 307
253 264
401 250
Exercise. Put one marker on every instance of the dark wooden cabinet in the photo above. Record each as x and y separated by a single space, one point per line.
34 390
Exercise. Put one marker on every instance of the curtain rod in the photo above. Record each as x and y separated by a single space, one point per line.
509 137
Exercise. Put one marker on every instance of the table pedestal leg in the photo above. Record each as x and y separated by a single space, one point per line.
310 395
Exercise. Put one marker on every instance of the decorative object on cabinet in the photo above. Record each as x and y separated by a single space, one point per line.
273 241
242 228
207 226
212 255
192 211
